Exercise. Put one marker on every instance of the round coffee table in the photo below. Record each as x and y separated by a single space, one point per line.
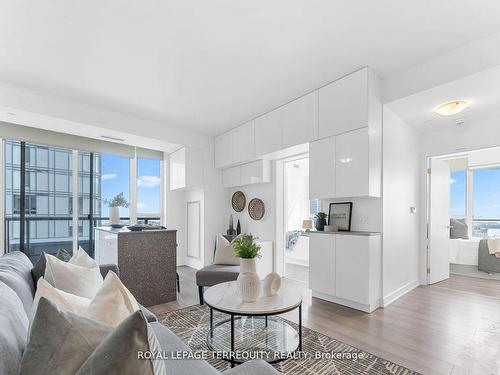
253 327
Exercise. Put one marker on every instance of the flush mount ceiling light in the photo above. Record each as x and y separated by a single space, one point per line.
451 108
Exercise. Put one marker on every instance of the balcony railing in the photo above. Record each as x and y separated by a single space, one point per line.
485 228
50 245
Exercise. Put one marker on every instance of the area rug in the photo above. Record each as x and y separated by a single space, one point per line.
191 325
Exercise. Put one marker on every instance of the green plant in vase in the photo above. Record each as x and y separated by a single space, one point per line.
320 221
248 281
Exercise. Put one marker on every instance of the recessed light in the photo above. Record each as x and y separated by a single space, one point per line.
345 160
451 108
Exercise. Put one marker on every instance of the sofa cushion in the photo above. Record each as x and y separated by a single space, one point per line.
216 274
15 271
39 268
60 341
13 330
169 342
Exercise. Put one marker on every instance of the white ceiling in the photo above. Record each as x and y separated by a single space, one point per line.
210 65
482 90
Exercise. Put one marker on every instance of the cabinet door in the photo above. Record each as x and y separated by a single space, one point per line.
343 104
300 120
352 268
223 152
243 142
231 177
352 164
268 133
322 263
322 169
256 172
178 169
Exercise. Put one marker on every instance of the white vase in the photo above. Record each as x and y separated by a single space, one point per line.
248 280
114 215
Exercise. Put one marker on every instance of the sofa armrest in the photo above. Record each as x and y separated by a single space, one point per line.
254 367
105 268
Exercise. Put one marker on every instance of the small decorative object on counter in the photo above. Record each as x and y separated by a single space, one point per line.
114 209
271 284
248 280
307 224
238 228
340 214
231 231
320 221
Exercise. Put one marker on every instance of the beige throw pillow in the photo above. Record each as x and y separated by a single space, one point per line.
224 253
81 258
72 278
112 303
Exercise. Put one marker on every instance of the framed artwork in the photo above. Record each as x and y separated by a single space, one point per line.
339 215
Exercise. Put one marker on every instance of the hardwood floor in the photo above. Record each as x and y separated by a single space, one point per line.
452 327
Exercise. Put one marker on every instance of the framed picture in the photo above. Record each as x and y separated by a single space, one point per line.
339 215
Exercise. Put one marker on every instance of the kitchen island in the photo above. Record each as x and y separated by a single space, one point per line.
146 259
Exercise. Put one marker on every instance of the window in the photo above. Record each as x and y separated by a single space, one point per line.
486 203
458 194
148 189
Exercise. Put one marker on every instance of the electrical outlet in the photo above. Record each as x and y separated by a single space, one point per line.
363 219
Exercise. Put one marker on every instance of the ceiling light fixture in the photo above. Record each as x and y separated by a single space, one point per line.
451 108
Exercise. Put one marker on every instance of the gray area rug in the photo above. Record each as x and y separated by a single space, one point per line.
191 325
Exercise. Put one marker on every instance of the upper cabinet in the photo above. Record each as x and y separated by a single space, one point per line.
186 169
322 169
235 146
256 172
349 103
292 124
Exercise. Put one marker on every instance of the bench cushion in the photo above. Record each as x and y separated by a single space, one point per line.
216 273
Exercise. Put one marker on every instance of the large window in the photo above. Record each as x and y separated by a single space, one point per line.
486 203
42 208
458 194
148 190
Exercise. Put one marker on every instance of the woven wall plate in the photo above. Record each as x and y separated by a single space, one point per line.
256 209
238 201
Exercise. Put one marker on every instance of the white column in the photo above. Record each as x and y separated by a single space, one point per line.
133 190
163 189
74 183
2 198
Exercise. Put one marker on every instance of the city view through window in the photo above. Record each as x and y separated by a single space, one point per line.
48 195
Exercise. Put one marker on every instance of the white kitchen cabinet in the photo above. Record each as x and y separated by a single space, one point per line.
186 169
346 269
352 167
358 271
300 120
349 103
322 169
243 143
231 176
223 150
256 172
322 263
268 133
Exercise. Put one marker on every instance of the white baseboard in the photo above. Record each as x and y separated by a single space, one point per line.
393 296
355 305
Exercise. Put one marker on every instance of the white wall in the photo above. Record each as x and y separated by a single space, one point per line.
264 229
400 264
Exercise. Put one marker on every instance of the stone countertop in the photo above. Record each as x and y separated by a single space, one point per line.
350 233
126 230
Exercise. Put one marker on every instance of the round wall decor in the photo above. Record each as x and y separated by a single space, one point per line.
238 201
256 209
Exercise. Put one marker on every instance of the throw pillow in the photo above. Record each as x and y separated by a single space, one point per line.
112 303
61 299
224 253
39 268
73 278
81 258
60 341
119 352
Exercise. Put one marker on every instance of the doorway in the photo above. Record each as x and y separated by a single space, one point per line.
296 214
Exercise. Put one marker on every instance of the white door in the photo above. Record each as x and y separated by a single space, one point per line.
439 221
